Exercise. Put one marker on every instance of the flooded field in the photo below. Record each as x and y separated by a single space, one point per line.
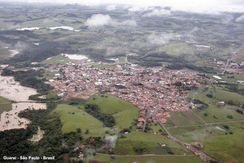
13 91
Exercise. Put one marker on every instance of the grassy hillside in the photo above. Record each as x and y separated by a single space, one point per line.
227 146
73 118
218 128
148 159
59 59
123 112
5 104
149 143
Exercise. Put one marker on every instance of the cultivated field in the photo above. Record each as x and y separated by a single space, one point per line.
219 128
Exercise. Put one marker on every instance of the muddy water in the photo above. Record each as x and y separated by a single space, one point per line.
13 91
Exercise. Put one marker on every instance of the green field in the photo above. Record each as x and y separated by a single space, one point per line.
5 104
149 142
219 128
147 159
59 59
123 112
227 147
74 117
219 142
221 136
186 118
224 95
215 113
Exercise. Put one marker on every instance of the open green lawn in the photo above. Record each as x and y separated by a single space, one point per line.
197 133
223 95
73 118
5 104
51 95
123 112
232 78
59 59
183 118
147 159
150 143
216 113
206 126
227 147
219 142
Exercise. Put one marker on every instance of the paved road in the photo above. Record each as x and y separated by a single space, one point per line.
202 155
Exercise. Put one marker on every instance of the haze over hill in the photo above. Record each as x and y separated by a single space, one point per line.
203 6
133 82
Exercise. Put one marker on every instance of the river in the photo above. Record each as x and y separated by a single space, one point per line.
12 90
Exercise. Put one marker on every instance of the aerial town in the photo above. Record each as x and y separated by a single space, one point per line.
155 91
111 82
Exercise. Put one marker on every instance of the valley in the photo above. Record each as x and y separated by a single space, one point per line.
90 84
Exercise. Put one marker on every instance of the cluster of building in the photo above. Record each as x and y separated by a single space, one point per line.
230 66
155 91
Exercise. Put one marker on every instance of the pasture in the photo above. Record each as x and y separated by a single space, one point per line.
74 117
5 104
147 158
124 112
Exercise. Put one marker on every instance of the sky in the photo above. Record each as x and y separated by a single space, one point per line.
208 6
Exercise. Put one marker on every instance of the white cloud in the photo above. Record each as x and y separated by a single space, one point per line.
240 18
158 12
111 7
136 8
128 23
99 20
206 6
162 38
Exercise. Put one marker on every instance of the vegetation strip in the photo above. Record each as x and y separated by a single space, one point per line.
107 119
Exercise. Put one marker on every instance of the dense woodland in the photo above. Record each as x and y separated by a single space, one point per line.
54 143
30 78
107 119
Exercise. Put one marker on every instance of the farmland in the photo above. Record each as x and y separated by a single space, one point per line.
149 142
147 158
218 127
74 117
123 84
